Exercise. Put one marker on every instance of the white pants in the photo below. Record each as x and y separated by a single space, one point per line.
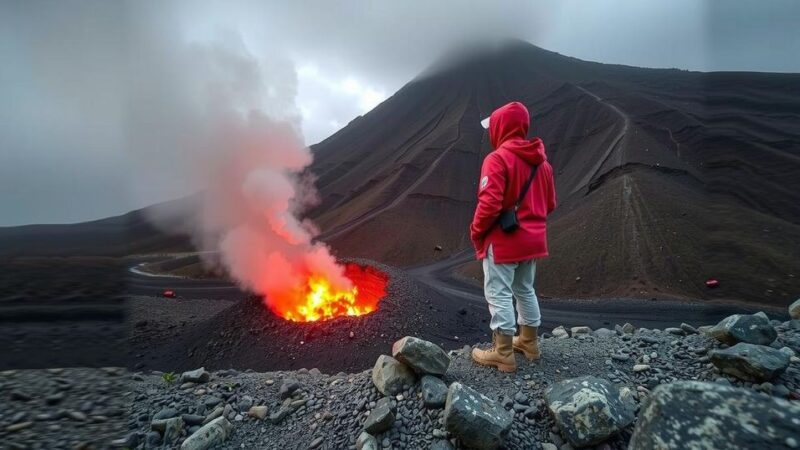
502 282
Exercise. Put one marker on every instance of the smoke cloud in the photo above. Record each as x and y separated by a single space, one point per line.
215 120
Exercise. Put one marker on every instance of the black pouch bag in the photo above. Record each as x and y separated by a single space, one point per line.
508 217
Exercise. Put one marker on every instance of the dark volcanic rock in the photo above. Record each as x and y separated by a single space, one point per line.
750 362
434 391
588 410
172 430
366 441
794 310
423 356
166 413
478 421
390 376
288 387
381 418
691 414
209 435
752 329
195 376
441 444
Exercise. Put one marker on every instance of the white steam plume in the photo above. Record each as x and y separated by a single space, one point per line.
212 118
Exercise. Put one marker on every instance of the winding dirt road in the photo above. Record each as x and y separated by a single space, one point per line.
594 313
438 275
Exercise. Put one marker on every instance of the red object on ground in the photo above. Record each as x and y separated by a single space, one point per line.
503 175
712 282
169 294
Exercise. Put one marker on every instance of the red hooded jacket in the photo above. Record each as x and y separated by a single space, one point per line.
503 175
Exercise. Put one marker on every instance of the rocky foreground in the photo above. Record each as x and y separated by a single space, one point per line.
733 385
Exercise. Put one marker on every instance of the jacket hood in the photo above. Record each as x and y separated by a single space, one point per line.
508 127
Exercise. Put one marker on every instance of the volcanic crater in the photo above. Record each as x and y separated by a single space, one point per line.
248 334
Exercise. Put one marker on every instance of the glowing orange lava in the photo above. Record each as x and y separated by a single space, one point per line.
318 300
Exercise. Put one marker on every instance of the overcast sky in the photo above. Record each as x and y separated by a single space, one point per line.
70 71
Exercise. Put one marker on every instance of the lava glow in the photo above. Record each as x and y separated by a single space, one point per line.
319 300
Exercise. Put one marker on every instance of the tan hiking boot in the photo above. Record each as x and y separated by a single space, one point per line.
501 355
527 342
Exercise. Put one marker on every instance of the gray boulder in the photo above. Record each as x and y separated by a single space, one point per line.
693 414
750 362
604 333
422 356
441 444
752 329
560 332
478 421
389 375
434 391
209 435
794 310
166 413
576 331
380 418
588 410
172 430
288 387
195 376
366 441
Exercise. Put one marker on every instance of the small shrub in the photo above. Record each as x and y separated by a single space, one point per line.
169 377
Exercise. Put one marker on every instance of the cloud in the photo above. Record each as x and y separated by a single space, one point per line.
327 103
64 76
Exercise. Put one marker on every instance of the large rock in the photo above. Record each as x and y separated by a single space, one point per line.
577 331
478 421
422 356
560 333
366 441
750 362
588 410
288 387
752 329
434 391
693 414
389 375
604 333
195 376
794 310
441 444
381 417
172 430
209 435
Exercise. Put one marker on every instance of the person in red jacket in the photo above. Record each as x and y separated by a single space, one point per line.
509 258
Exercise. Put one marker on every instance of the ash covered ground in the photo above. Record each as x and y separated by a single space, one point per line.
79 408
245 334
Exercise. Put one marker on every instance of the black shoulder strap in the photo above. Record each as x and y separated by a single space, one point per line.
526 187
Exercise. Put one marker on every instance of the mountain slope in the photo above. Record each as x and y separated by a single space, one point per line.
664 177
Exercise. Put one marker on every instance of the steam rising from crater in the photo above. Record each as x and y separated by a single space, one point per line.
213 119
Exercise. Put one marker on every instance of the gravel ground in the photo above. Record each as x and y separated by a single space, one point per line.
157 322
63 408
245 334
334 406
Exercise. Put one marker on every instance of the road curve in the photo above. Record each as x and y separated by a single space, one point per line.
594 313
439 276
140 283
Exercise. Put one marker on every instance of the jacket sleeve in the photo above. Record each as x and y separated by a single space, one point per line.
551 194
491 187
